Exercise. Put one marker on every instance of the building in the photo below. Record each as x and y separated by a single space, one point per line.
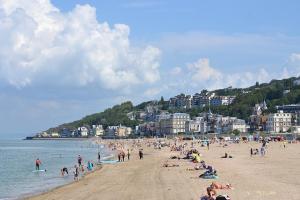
294 109
83 131
123 131
55 134
238 124
174 124
222 100
181 101
148 129
120 131
198 125
98 130
279 122
200 100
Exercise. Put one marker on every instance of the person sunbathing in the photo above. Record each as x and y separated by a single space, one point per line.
170 165
216 185
211 193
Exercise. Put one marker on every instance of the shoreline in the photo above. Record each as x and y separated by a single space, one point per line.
85 175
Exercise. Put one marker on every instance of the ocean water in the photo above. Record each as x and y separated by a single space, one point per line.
17 162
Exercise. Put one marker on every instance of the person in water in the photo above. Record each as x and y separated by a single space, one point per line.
89 166
64 171
37 164
99 157
79 159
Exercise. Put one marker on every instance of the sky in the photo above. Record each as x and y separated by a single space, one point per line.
61 60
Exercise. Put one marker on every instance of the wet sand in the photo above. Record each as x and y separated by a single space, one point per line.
275 176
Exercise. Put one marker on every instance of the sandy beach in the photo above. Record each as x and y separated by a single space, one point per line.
274 176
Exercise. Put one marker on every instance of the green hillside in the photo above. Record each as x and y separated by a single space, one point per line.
246 98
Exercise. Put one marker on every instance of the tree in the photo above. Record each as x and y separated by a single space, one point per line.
236 132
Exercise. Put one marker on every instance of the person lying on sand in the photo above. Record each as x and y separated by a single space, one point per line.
211 193
175 157
216 185
170 165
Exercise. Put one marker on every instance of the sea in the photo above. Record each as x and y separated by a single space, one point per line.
18 177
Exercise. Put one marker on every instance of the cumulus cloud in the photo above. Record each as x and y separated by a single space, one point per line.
202 71
201 74
40 44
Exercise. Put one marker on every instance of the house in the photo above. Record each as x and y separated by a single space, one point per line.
83 131
98 130
54 134
279 122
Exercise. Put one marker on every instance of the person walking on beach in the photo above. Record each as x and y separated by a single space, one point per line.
119 157
262 151
99 157
141 154
207 145
123 156
79 160
76 173
37 164
128 154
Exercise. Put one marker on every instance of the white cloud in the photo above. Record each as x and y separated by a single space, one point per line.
40 44
176 70
201 74
202 71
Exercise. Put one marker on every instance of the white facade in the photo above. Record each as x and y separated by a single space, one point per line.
279 122
198 125
174 124
83 131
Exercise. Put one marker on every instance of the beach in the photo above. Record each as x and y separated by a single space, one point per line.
273 176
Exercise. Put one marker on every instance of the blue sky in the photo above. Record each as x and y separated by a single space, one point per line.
61 60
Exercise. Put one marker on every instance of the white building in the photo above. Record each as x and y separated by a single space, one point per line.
279 122
84 132
238 124
198 125
174 124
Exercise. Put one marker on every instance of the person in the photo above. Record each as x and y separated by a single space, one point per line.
216 185
64 171
89 166
128 154
76 172
99 157
141 154
211 193
79 160
262 151
119 157
37 164
207 145
123 156
226 156
251 152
